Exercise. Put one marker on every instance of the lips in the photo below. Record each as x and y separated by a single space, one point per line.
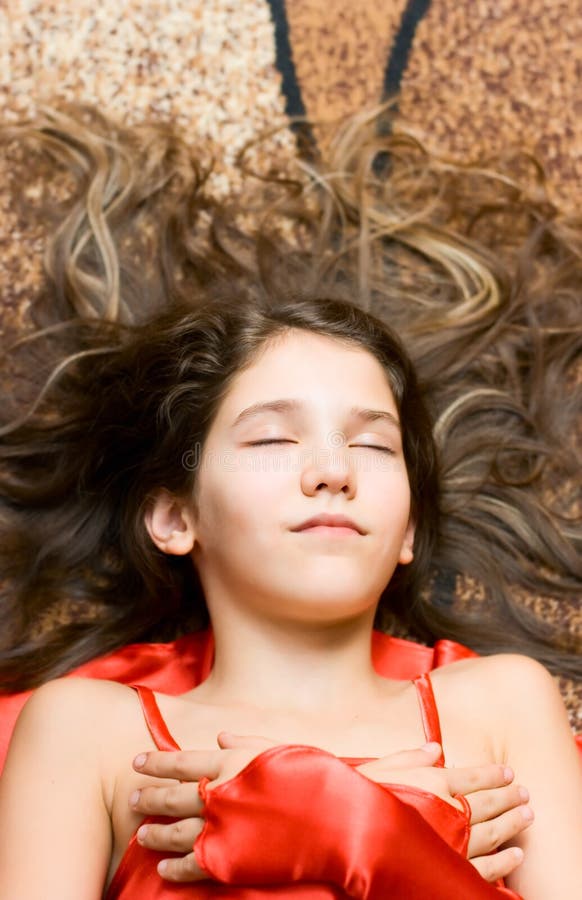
330 521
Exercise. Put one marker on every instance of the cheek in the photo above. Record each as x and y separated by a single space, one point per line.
238 505
386 486
390 501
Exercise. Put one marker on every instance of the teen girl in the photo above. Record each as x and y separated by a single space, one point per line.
269 461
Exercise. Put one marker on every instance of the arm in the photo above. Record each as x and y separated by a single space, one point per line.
61 850
539 746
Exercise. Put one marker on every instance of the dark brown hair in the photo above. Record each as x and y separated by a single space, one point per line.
155 295
120 424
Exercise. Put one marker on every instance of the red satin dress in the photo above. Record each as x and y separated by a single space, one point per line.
301 837
401 833
178 666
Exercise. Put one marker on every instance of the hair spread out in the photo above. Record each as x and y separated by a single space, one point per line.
155 295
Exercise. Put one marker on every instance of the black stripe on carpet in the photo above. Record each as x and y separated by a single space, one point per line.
290 87
402 45
396 66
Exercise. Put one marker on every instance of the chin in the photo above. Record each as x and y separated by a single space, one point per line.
337 583
321 608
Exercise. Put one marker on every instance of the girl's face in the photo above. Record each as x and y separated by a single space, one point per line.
310 428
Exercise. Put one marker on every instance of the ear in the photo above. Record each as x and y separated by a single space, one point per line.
170 524
407 549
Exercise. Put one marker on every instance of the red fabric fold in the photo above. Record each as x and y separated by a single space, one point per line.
312 818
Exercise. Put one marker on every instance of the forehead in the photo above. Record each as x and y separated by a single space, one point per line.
321 370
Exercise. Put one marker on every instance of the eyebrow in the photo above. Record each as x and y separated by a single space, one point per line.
285 406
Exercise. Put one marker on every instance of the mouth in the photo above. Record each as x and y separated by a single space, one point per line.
330 530
328 524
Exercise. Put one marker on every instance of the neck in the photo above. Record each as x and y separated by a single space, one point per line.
303 669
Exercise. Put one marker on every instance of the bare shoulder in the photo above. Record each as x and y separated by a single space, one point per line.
59 756
80 722
79 716
506 694
513 670
502 676
497 682
74 700
514 704
74 689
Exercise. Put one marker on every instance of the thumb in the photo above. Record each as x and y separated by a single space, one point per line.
412 759
228 741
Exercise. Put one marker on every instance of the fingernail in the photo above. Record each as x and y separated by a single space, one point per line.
508 774
134 799
523 794
431 747
140 761
527 813
162 866
141 832
518 853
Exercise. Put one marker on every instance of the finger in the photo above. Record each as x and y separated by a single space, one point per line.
184 868
487 805
179 801
183 765
228 741
499 865
487 836
413 759
478 778
177 837
422 757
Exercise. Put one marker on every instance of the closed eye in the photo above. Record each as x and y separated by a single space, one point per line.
376 447
266 441
270 441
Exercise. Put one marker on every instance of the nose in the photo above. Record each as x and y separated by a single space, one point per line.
329 469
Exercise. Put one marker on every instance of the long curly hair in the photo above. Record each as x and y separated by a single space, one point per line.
155 294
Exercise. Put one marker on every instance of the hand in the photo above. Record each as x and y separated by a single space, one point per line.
497 806
182 801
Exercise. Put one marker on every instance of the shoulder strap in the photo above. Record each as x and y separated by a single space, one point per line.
153 718
429 712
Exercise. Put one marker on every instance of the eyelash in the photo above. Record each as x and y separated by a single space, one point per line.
270 441
376 447
285 441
